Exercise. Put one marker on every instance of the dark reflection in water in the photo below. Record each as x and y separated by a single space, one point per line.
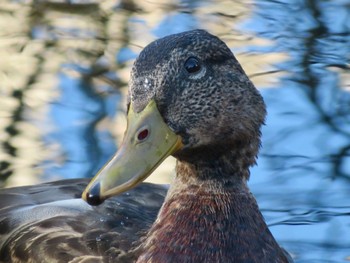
297 52
76 115
307 138
318 44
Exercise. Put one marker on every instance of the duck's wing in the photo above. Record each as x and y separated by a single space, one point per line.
51 223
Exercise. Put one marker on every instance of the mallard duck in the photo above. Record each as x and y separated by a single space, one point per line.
190 98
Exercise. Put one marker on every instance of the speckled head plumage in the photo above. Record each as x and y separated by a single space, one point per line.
215 109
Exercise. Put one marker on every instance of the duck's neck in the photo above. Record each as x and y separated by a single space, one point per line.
209 220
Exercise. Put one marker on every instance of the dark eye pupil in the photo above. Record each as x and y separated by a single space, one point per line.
192 65
142 135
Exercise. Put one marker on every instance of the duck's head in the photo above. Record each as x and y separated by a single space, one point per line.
188 97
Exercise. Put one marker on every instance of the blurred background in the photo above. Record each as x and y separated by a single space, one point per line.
64 68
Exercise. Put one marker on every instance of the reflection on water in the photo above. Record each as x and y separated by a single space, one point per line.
62 87
76 115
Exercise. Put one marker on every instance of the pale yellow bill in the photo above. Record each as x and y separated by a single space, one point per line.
147 142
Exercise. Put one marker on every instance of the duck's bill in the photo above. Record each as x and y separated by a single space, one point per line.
147 142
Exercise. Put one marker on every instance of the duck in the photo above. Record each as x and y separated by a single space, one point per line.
188 97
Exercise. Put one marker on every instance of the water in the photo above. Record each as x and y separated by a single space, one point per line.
63 85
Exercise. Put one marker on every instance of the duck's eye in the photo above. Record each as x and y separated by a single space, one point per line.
192 65
142 135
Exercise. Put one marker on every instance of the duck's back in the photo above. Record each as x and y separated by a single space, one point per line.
51 223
